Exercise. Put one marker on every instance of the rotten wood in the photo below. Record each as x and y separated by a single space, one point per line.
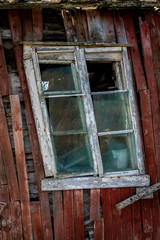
136 197
78 25
21 166
16 221
37 24
4 80
70 32
99 229
78 214
95 204
36 220
58 215
3 178
8 156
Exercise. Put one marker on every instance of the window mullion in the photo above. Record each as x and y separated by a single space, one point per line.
88 106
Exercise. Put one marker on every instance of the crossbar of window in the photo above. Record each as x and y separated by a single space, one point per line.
65 95
58 133
115 132
109 92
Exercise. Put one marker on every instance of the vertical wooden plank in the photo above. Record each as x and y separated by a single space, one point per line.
16 32
119 28
8 156
68 215
37 24
6 223
94 25
99 229
85 24
3 178
95 204
147 236
116 215
77 22
155 216
16 221
36 221
78 215
107 213
108 27
146 216
58 215
4 80
26 19
149 68
21 165
4 193
126 216
136 219
135 55
70 33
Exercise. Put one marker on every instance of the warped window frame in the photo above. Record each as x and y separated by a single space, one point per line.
36 55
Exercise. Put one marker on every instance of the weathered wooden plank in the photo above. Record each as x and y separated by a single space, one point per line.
99 229
8 156
95 204
135 55
6 223
4 193
149 68
78 214
36 220
116 215
147 236
136 220
16 221
58 215
68 215
94 25
3 178
16 32
95 182
21 165
4 80
70 33
155 215
78 25
146 216
148 134
107 213
37 24
108 27
85 25
26 21
119 28
126 216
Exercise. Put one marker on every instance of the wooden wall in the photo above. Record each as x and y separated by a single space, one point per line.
78 214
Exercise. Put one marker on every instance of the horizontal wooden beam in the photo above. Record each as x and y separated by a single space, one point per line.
136 197
77 4
51 184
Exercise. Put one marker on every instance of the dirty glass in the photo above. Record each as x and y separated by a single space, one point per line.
118 152
59 78
72 154
112 111
66 113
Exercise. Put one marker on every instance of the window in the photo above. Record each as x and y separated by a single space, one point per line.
86 118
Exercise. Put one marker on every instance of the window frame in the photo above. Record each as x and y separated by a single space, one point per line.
35 55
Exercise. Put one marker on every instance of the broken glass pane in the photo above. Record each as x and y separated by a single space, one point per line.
66 113
59 77
112 111
118 152
72 154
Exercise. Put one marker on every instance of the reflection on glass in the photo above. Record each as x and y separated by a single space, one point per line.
66 113
112 111
72 154
118 153
59 77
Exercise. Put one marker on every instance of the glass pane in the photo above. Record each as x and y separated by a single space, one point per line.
112 111
66 113
101 77
56 77
118 153
72 154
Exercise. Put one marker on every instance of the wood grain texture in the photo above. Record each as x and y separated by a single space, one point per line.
4 80
26 21
58 215
8 156
78 214
78 24
107 213
37 24
95 204
99 229
119 28
70 32
108 27
3 178
135 55
68 215
16 221
36 220
146 216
